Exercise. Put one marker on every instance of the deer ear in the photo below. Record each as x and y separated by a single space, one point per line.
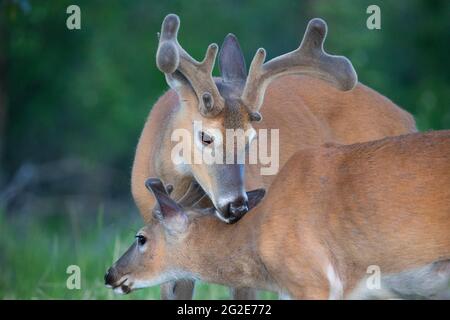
254 197
171 215
231 60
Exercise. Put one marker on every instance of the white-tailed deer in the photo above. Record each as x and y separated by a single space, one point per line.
331 214
288 90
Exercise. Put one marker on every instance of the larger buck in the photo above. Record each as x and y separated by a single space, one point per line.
288 90
331 214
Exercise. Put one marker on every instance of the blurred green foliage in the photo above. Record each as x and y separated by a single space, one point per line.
35 254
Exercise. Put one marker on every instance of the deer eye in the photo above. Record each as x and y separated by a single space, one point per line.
206 138
141 240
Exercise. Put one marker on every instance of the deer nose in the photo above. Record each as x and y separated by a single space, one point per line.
109 277
237 209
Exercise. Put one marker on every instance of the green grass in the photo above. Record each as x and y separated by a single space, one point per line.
35 252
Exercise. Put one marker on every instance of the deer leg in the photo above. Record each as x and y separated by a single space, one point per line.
178 290
243 294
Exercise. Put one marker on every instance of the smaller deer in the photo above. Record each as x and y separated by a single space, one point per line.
333 213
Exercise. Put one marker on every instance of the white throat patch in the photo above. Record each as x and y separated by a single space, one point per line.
336 287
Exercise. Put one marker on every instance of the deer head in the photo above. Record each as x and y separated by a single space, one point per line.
160 251
233 102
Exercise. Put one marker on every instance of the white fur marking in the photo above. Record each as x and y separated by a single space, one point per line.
336 287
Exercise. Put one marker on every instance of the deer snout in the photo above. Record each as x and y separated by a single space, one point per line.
120 284
238 209
234 210
110 277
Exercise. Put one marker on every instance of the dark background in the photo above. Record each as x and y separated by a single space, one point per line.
73 103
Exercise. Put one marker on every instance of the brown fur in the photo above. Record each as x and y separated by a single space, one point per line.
308 112
384 203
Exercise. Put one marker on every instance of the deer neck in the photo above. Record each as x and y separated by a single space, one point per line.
225 254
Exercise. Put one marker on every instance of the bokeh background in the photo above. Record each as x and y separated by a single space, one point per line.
73 102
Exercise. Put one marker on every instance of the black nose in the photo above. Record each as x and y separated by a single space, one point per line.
237 209
109 277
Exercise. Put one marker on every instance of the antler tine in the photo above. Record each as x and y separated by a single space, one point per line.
337 70
171 57
168 55
308 58
210 58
